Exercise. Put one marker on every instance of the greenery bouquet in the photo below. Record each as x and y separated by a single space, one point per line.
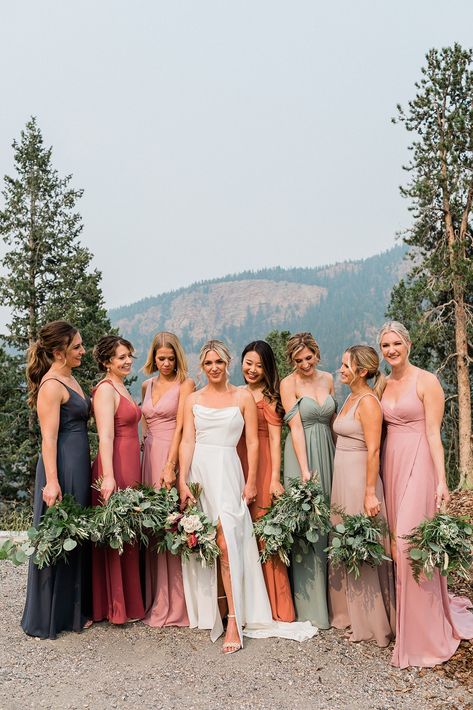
357 540
296 519
190 532
444 542
132 514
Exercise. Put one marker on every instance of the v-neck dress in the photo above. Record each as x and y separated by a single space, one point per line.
59 597
309 577
164 591
116 583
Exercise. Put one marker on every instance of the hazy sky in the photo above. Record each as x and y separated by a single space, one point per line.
216 136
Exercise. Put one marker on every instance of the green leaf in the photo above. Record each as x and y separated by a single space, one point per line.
340 528
69 544
312 535
415 553
336 542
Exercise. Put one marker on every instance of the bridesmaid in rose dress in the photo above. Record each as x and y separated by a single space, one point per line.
430 624
261 376
163 400
365 605
116 585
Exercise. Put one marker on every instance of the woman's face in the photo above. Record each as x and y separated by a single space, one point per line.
165 360
305 362
346 375
74 352
121 362
394 349
214 367
252 368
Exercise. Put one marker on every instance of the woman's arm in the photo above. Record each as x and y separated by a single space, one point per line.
275 487
250 415
371 417
186 449
144 425
288 399
334 415
50 397
169 469
431 393
106 401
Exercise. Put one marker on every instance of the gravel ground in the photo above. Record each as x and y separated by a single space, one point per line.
118 667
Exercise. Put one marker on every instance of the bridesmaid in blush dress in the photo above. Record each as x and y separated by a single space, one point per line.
308 397
364 605
58 597
262 380
430 623
116 584
163 401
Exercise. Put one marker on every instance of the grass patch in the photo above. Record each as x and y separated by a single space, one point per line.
18 517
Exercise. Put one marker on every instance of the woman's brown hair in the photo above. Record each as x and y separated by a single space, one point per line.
107 347
53 337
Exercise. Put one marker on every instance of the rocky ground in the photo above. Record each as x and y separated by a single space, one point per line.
121 667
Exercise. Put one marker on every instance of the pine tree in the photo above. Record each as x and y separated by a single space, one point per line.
47 276
436 297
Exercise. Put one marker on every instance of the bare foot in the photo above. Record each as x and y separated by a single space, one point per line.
232 642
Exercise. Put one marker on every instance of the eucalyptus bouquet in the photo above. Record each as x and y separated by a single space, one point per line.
130 515
296 519
190 532
62 527
357 540
444 542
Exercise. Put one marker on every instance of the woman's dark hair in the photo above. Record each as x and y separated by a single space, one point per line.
54 336
270 372
107 347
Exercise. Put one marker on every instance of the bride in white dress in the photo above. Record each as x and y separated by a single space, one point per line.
214 418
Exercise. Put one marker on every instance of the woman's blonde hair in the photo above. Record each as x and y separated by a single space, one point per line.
364 357
167 340
54 336
298 342
218 347
398 328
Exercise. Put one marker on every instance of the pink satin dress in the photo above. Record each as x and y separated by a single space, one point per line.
164 592
430 623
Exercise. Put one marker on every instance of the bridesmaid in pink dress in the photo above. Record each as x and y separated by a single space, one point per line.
163 399
116 585
430 623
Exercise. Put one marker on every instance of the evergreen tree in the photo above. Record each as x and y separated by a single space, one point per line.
436 298
47 276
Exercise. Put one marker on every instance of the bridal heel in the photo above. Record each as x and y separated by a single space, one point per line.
230 647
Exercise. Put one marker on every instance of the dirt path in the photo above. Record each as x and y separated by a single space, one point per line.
121 667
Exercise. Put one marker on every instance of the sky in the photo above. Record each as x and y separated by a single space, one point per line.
213 136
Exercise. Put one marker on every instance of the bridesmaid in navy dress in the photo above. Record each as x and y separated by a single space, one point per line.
58 597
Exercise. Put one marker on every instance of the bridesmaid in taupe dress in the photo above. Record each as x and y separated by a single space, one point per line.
364 605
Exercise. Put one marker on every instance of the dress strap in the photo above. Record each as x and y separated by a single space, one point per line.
57 380
367 394
293 411
109 382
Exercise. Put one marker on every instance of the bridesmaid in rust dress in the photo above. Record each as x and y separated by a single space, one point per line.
430 623
163 400
261 376
116 585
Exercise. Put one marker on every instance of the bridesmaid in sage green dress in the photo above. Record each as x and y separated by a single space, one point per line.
307 396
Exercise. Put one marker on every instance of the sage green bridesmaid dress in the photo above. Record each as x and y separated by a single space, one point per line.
309 577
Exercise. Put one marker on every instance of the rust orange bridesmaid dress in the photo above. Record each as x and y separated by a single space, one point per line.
274 570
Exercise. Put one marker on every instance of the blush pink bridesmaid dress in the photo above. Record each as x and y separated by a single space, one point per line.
430 622
164 595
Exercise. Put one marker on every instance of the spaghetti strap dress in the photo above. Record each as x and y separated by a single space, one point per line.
366 605
59 597
274 570
309 577
116 583
430 622
164 591
216 466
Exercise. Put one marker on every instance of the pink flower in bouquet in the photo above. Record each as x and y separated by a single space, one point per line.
172 522
192 540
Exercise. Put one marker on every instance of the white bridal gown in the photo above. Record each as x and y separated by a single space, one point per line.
216 466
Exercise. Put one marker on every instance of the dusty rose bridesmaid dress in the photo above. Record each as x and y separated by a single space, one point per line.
274 571
430 622
366 604
165 603
116 585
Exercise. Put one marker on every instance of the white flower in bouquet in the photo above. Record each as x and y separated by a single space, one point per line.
191 523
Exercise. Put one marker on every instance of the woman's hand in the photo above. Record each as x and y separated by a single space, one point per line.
249 493
185 496
306 476
168 475
276 488
107 487
372 505
51 493
442 496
